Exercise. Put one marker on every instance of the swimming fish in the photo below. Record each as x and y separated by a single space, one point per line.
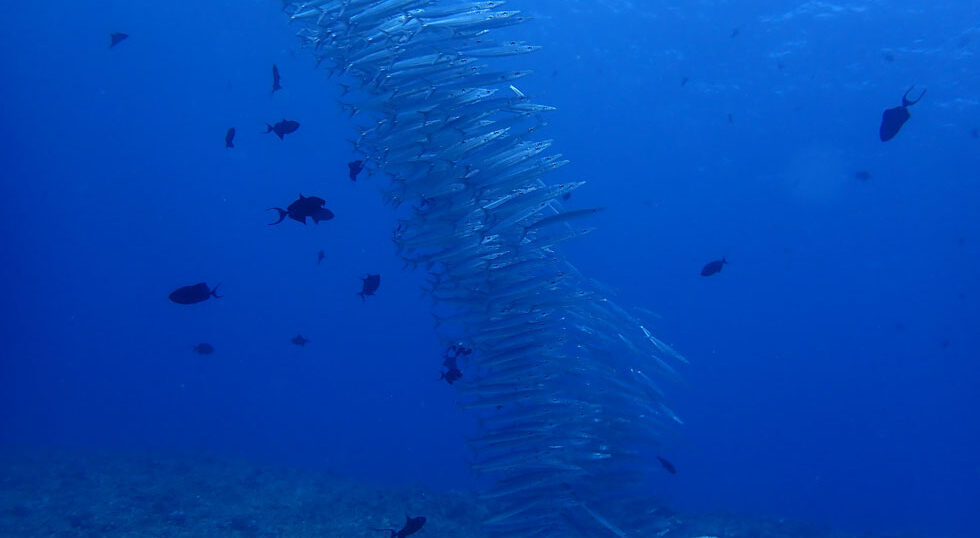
893 119
203 348
863 175
412 525
303 208
194 294
275 79
667 465
116 38
230 138
319 257
713 267
299 340
369 285
354 168
282 128
453 372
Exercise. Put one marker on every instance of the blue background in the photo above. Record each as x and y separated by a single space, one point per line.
833 372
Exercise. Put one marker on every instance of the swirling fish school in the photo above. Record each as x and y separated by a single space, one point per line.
561 378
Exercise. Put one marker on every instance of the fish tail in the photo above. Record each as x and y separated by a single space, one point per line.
268 128
282 215
214 292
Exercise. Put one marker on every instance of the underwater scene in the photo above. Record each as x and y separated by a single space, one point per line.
464 268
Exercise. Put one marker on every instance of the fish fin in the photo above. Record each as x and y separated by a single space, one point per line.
282 215
214 292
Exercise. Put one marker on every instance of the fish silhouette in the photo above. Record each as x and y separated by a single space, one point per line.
893 119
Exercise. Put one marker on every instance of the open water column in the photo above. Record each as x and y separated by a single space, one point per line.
564 381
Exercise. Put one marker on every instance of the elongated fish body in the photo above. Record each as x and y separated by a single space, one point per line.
230 138
564 382
193 294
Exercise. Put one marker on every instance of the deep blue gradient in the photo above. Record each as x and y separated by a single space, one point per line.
834 368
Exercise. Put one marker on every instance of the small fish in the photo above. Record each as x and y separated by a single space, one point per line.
230 138
303 208
713 267
275 79
452 376
893 119
116 38
354 168
319 257
412 525
863 175
369 285
735 32
282 128
667 465
194 294
684 81
889 57
203 348
299 340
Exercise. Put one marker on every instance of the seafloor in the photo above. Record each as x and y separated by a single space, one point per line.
70 494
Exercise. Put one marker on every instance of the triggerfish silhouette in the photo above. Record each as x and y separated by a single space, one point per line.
282 128
369 285
303 208
194 294
893 119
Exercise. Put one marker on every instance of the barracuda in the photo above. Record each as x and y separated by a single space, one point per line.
564 382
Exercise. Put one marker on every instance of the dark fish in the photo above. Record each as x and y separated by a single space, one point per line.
282 128
319 257
893 119
204 348
453 372
275 79
667 465
230 138
684 81
452 375
713 267
354 168
116 38
863 175
303 208
299 340
194 294
412 525
369 285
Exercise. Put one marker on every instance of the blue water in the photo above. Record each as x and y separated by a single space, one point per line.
833 361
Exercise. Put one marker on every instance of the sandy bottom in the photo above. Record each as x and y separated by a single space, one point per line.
131 495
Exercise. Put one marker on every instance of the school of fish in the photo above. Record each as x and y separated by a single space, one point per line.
565 382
